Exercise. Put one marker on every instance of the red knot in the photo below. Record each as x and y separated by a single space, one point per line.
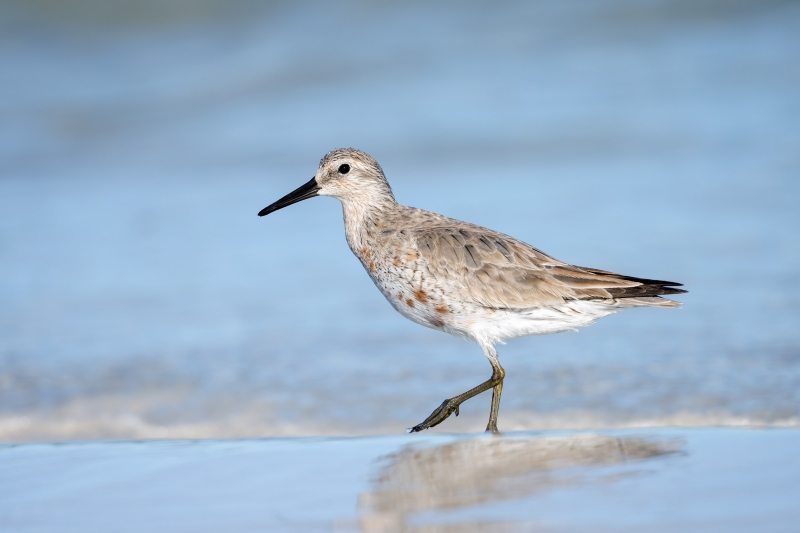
464 279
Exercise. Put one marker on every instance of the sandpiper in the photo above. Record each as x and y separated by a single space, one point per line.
464 279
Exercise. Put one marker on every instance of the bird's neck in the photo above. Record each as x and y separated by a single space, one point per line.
365 218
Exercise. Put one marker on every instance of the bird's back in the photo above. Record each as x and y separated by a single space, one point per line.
499 271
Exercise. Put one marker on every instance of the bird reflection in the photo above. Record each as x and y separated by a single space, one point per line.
488 470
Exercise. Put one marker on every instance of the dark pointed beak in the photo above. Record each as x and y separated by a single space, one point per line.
309 190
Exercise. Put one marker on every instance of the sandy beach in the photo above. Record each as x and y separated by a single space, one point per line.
646 480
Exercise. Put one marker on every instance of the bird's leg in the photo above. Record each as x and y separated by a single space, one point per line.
450 405
498 390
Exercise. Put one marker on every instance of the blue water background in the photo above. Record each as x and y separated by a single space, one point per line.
141 296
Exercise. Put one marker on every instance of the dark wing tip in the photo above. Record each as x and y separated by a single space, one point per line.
670 290
647 287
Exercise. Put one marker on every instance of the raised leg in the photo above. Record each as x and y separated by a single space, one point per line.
450 405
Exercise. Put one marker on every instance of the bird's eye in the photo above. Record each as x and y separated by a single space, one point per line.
344 169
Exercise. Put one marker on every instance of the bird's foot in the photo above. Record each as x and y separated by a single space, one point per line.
438 416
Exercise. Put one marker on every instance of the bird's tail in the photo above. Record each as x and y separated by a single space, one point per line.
641 291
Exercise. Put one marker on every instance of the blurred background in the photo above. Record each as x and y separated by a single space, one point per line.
141 296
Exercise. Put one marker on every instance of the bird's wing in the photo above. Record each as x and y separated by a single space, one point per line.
495 270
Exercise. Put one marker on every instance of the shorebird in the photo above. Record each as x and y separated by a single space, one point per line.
463 279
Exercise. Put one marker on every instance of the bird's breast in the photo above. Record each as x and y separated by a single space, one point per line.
402 277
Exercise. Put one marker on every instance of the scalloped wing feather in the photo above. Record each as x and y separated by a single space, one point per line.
498 271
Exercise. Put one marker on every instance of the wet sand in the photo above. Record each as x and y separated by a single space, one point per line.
709 479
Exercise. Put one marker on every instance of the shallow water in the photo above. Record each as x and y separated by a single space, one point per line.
702 479
142 297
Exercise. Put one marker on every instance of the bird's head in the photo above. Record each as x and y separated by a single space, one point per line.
347 174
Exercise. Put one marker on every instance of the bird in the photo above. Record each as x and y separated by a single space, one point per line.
464 279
